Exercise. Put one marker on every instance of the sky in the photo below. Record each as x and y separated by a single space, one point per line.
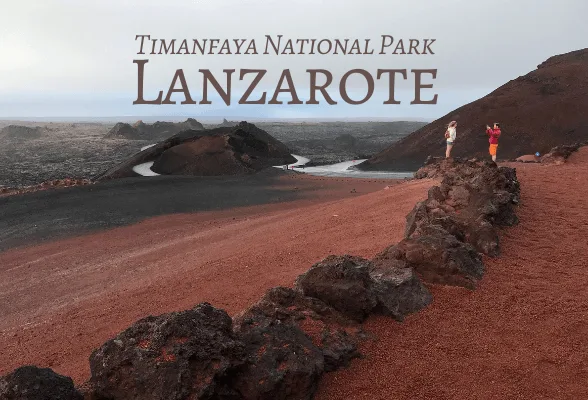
74 58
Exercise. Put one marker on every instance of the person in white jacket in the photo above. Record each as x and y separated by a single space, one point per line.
450 135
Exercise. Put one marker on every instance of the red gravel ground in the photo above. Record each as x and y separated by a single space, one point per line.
522 335
61 300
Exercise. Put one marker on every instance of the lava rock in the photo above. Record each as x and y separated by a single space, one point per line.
435 194
33 383
418 216
438 257
180 355
503 212
474 197
398 290
283 363
433 167
527 158
342 282
483 236
559 154
333 333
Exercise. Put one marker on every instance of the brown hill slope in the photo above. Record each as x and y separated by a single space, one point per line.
545 108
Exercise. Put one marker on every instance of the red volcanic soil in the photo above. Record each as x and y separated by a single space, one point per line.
61 300
523 334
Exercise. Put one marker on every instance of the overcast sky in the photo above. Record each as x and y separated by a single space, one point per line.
75 57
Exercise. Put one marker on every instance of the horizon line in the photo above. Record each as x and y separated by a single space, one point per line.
204 118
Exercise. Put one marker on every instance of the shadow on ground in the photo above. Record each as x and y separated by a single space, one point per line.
46 215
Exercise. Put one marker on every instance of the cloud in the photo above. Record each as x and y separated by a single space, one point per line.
83 50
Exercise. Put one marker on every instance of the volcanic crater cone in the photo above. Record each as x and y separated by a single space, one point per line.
238 150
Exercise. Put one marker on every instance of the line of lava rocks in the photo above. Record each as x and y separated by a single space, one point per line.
281 346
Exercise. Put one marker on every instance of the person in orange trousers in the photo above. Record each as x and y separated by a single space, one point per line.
493 135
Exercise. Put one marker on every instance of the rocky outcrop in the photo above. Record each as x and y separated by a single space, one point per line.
438 257
329 330
123 131
528 158
458 219
283 362
277 349
398 289
32 383
243 149
556 156
226 123
559 154
156 132
537 112
356 287
344 283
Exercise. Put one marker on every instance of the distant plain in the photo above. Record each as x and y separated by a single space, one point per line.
78 149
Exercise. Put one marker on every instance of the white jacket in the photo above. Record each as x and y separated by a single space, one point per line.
452 134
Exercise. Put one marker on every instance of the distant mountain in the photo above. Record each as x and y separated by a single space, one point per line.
228 123
238 150
156 131
543 109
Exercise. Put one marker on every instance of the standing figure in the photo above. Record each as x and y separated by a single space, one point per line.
493 135
450 135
